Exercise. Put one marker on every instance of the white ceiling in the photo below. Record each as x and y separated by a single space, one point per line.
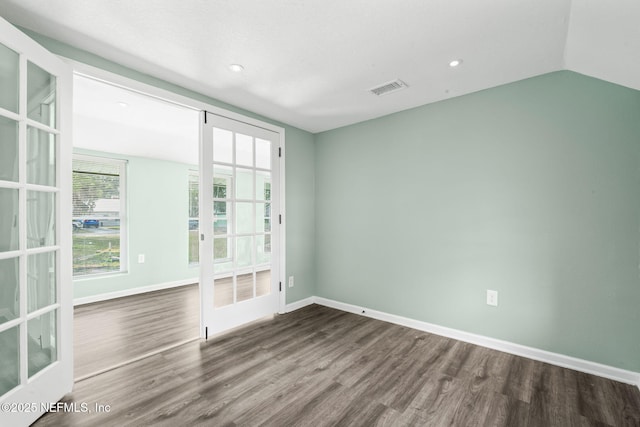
115 120
310 63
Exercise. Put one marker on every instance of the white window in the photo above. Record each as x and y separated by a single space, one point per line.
99 220
194 245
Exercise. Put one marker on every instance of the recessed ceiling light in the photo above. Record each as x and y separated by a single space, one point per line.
122 104
455 63
236 68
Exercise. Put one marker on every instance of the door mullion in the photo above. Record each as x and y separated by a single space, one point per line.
22 218
234 231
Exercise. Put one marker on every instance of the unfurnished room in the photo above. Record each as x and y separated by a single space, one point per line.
337 213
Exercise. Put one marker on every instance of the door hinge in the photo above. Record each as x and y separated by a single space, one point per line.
205 117
280 286
279 151
279 219
206 333
202 237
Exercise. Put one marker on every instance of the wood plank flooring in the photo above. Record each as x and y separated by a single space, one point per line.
322 367
111 332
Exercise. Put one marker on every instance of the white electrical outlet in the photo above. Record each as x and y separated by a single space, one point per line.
492 298
291 281
140 258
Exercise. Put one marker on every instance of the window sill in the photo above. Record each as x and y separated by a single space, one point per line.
98 276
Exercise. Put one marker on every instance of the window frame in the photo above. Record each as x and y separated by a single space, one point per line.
193 174
123 214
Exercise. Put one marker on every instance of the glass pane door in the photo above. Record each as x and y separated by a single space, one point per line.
35 282
240 169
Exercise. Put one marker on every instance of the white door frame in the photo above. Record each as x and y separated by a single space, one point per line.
166 95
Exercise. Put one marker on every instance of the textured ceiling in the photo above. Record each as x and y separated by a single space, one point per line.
310 63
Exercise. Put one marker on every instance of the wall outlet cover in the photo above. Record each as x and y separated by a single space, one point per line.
492 298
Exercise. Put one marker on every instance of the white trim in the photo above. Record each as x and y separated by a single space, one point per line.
282 256
133 291
299 304
617 374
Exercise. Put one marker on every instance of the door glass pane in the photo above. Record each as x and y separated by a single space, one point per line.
223 267
222 179
263 153
9 359
194 242
263 217
41 95
263 249
222 253
263 185
244 189
244 287
244 218
194 222
9 296
9 87
221 215
41 283
243 251
221 249
263 283
40 219
222 145
244 150
8 149
41 157
222 292
42 342
8 219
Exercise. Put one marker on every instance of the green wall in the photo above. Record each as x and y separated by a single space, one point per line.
530 189
157 214
299 158
300 214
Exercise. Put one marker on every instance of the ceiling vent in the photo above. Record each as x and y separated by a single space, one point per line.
385 88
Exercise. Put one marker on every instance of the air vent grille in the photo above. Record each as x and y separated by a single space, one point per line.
385 88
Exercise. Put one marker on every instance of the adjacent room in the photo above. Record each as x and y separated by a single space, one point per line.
294 213
134 159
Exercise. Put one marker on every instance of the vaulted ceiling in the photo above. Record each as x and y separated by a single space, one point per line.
311 64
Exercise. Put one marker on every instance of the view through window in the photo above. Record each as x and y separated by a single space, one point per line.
98 215
194 254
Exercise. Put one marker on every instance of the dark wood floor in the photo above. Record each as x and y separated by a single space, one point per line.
322 367
111 332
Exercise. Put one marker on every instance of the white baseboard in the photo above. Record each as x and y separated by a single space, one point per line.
133 291
299 304
617 374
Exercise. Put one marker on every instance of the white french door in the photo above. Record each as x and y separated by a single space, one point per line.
36 309
239 223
